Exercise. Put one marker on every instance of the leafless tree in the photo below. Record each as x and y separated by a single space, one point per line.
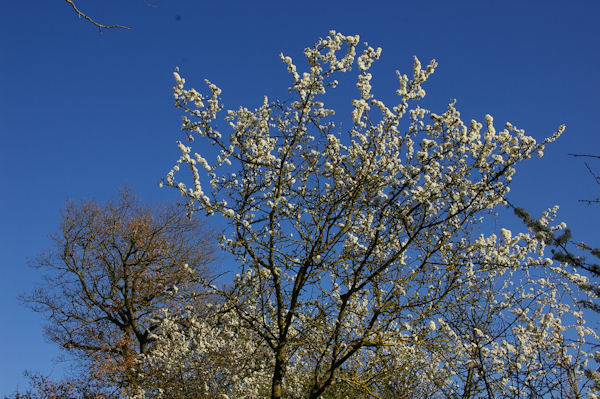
111 271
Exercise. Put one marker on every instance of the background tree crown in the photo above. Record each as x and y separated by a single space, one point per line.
113 269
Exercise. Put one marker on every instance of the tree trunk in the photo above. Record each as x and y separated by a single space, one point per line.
276 386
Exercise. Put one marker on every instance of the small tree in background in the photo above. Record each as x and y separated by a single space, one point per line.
112 271
365 254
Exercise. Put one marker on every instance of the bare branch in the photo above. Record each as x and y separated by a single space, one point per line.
594 175
584 155
97 24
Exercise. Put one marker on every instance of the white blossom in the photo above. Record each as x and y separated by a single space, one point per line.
352 241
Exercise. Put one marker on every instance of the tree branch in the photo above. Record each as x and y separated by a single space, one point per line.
99 25
584 155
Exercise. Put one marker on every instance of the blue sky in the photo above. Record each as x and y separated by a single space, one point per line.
82 113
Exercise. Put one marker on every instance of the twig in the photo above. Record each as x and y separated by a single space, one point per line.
99 25
585 155
596 177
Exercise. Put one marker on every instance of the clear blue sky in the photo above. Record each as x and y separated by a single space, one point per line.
82 113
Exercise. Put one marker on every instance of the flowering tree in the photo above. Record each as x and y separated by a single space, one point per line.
112 270
363 252
205 355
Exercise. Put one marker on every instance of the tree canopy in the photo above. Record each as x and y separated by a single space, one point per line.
367 260
366 256
113 270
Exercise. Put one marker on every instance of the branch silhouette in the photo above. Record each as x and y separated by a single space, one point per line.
92 21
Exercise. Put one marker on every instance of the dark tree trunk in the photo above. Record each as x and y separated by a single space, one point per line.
278 372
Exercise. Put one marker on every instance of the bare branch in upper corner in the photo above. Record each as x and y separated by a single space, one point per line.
99 25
